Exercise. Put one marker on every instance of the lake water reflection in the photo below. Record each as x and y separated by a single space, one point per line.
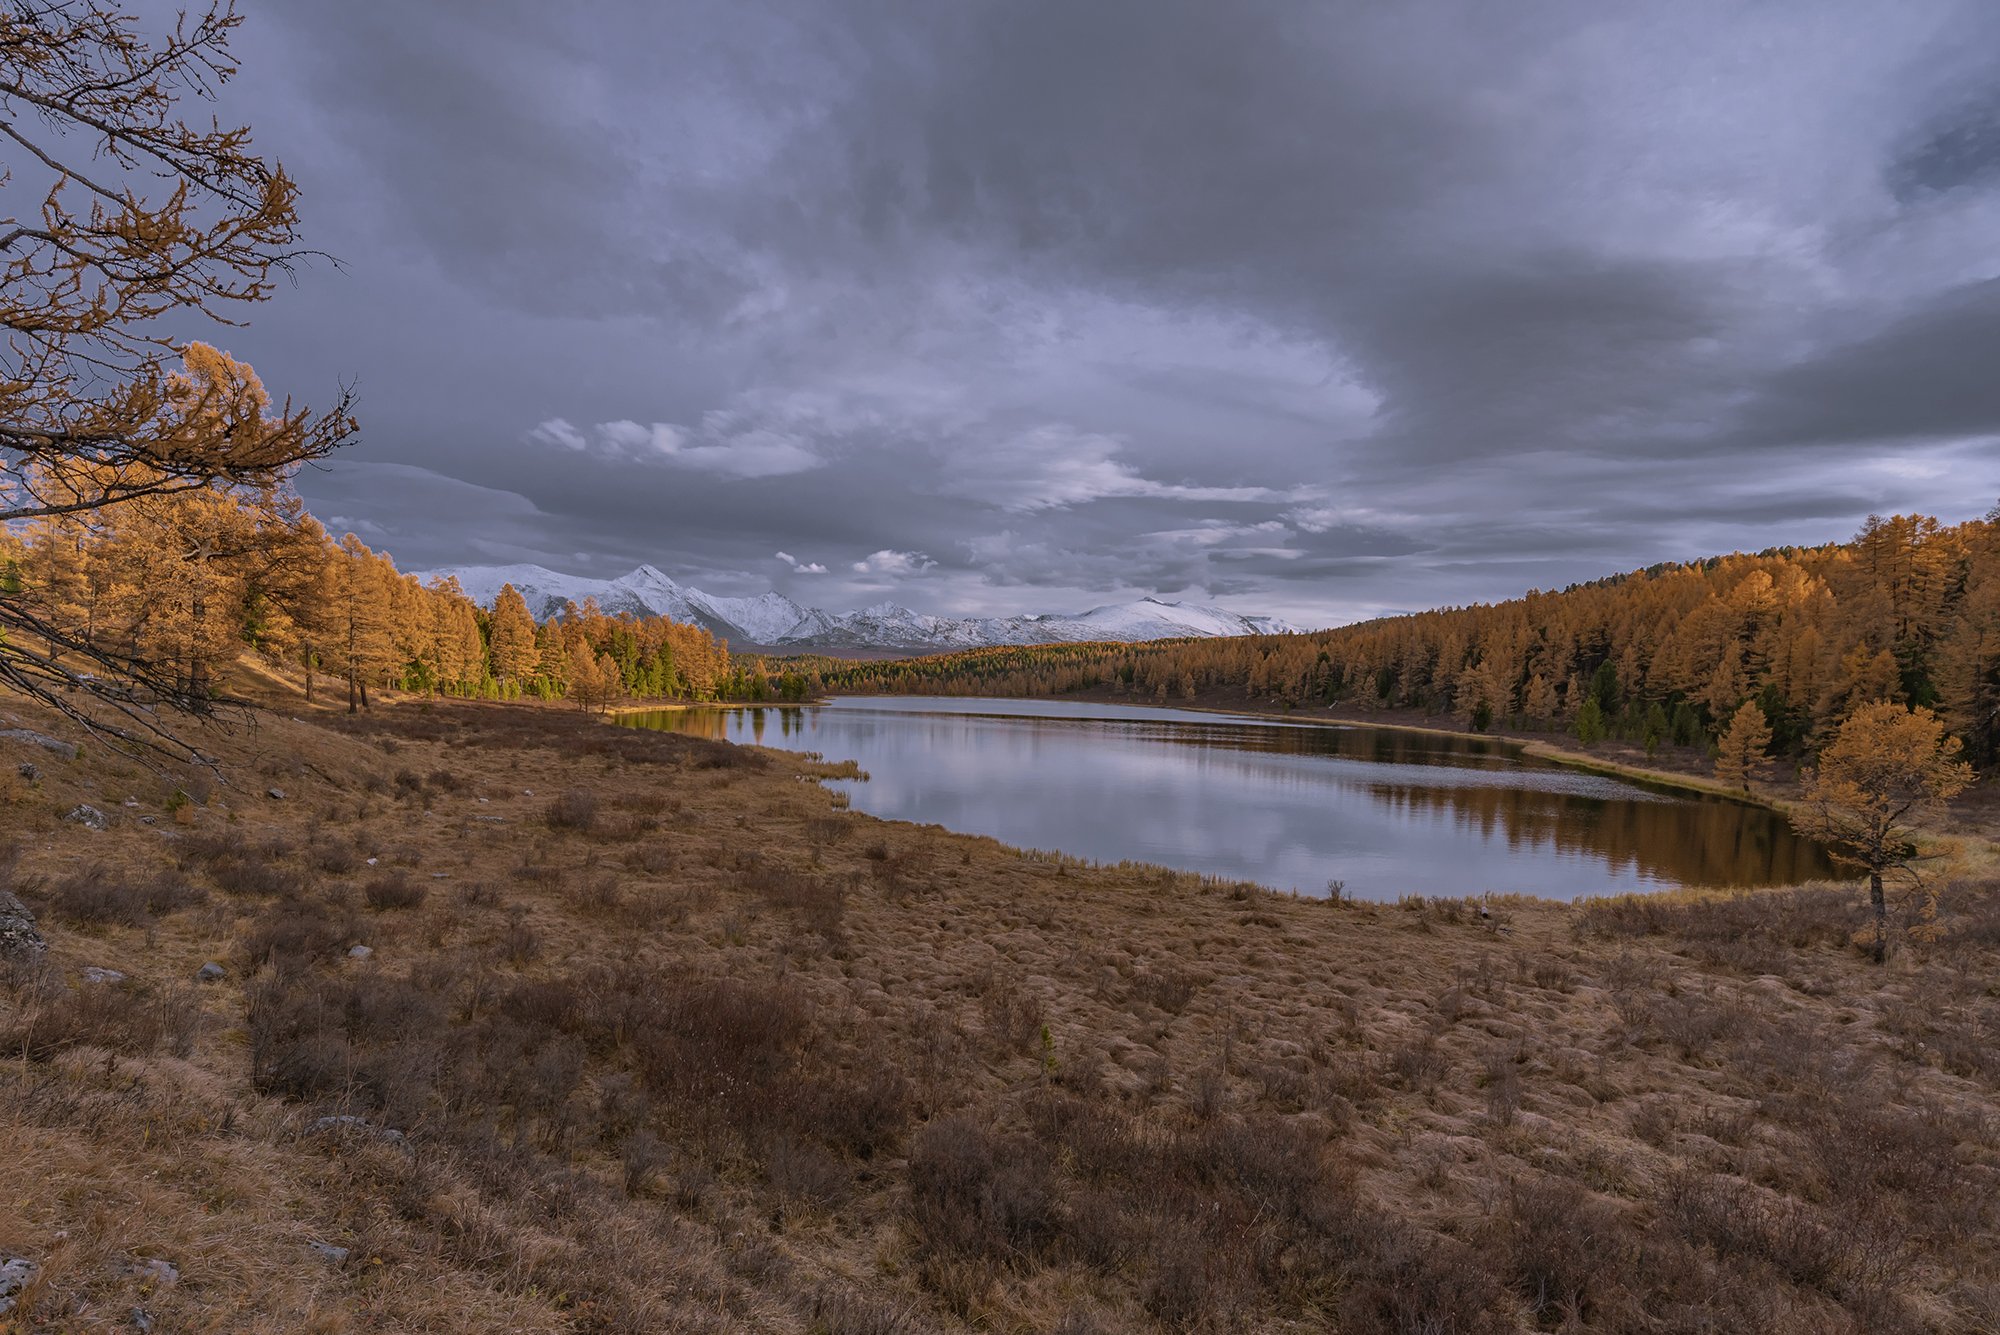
1289 805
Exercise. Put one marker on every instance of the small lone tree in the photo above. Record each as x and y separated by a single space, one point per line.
1741 754
1885 766
1590 726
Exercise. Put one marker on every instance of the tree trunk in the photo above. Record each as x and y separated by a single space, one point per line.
353 706
1881 904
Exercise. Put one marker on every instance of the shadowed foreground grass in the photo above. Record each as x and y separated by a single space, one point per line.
651 1035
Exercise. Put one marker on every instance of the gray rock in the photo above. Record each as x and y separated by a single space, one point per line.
20 942
275 794
67 750
152 1271
142 1320
29 772
88 816
210 972
93 974
339 1122
360 952
16 1273
129 802
329 1253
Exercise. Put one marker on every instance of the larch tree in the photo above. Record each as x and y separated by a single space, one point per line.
457 654
586 682
362 644
1539 702
515 653
288 606
1885 767
1742 753
121 214
609 684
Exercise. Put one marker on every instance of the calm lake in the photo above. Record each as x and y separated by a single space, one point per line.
1288 805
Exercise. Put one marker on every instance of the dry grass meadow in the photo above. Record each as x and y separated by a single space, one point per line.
652 1036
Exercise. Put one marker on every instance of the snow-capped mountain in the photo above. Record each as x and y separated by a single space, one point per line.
645 592
774 621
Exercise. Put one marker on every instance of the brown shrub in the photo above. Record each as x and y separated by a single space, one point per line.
126 1018
296 1046
980 1194
477 895
519 942
1169 988
802 1171
394 890
296 933
1417 1065
207 849
1692 1023
335 856
98 896
652 859
573 809
1807 1246
1567 1252
826 831
1754 931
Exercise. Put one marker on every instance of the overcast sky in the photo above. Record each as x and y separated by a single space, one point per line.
1319 309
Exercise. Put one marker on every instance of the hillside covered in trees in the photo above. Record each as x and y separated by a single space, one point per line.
169 587
1909 611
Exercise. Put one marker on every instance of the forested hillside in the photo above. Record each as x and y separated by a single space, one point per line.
1908 611
171 586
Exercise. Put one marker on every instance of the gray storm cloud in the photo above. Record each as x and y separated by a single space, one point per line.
1320 309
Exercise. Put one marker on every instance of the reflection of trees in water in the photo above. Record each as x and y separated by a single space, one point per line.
1693 841
1689 840
1377 745
710 723
1382 745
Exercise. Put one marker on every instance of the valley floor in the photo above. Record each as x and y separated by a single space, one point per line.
649 1035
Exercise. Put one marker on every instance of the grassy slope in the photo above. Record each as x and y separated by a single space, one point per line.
678 1045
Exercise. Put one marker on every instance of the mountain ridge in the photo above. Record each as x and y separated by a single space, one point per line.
774 621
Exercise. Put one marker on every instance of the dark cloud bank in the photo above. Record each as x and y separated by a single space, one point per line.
1314 309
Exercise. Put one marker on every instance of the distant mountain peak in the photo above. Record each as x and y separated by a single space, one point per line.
774 621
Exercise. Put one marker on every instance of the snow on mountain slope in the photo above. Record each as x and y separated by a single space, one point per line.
544 590
1151 619
773 620
765 619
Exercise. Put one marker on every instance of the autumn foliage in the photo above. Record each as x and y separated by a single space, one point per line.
1886 768
118 211
185 583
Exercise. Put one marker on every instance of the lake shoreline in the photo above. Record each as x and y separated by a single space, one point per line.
1292 803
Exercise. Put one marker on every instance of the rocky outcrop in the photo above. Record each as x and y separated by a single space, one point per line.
20 942
67 750
16 1273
